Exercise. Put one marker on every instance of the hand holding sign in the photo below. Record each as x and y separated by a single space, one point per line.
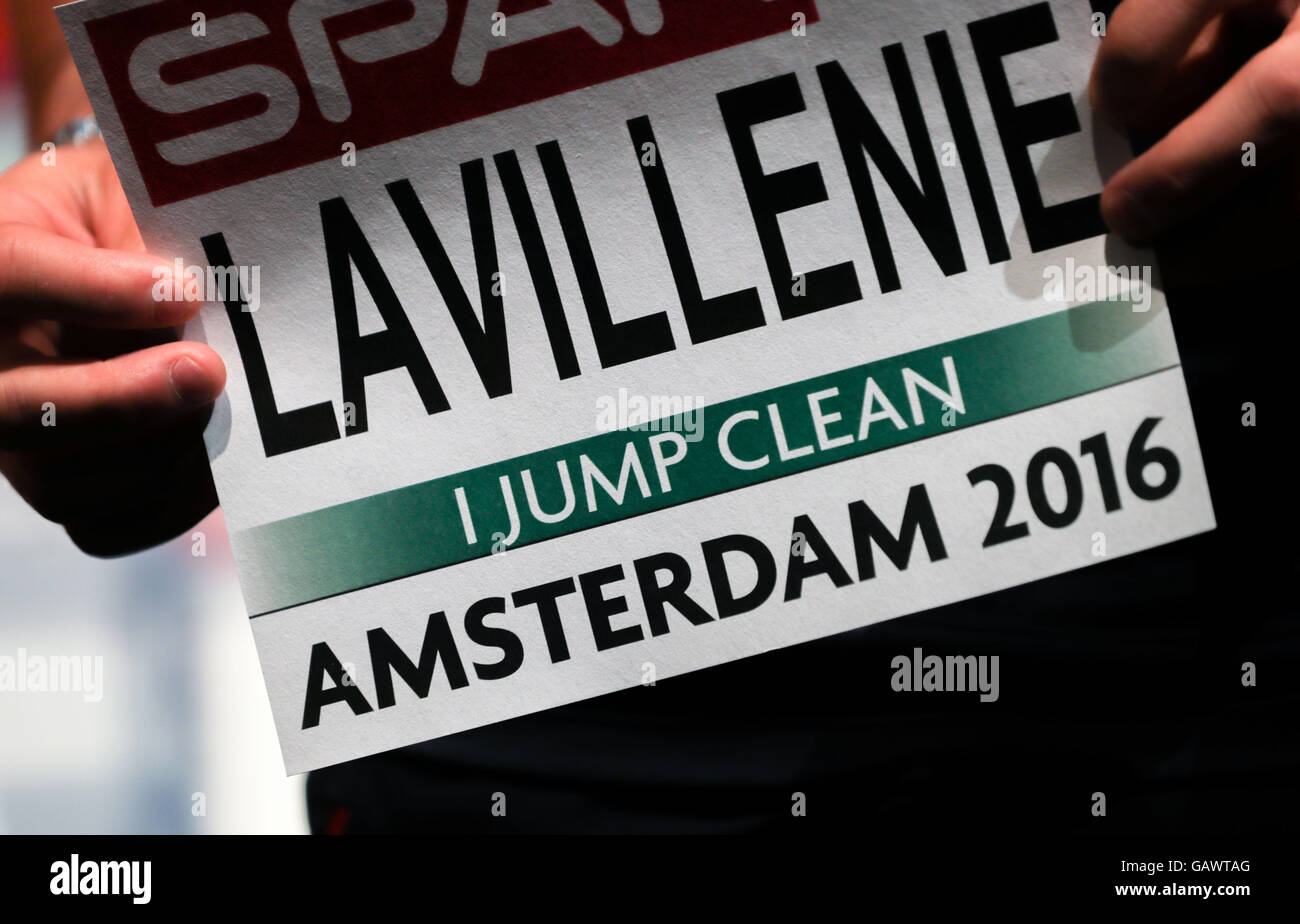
1225 72
100 417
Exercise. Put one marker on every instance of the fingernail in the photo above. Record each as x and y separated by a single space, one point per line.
190 383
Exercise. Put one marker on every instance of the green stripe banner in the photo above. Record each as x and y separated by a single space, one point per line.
705 452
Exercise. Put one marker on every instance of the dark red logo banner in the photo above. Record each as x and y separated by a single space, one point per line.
249 89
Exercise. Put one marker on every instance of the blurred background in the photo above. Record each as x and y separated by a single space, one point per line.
182 739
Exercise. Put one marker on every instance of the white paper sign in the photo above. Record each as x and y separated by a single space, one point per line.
578 345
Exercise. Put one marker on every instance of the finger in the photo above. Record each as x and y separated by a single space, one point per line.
1203 157
1145 42
59 403
46 276
1220 50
